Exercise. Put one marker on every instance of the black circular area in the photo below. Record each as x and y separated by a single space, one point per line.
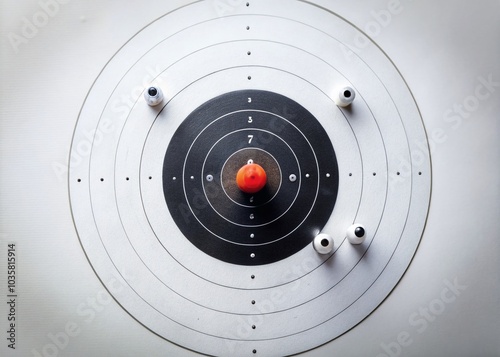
152 91
325 242
359 232
209 147
347 94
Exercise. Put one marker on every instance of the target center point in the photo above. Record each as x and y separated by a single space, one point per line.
251 178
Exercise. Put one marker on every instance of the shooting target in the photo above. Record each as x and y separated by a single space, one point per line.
251 175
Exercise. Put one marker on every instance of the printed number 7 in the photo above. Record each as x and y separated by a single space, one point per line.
250 138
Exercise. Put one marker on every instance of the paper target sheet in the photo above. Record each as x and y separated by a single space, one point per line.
250 178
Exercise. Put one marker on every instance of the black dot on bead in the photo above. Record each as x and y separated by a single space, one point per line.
79 180
152 91
253 302
359 232
253 277
325 242
254 351
102 180
254 327
347 93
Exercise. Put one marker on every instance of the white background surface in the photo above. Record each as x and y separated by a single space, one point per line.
441 49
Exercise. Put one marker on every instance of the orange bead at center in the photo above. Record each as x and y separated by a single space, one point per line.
251 178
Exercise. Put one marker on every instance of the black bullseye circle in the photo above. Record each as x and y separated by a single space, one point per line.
218 138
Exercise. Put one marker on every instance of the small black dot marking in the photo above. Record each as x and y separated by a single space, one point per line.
254 351
102 179
249 78
374 174
150 177
350 174
128 178
248 27
420 173
152 91
359 232
253 302
325 242
249 53
248 4
254 327
399 173
347 94
253 277
79 180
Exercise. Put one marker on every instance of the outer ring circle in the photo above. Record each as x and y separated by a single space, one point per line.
403 248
